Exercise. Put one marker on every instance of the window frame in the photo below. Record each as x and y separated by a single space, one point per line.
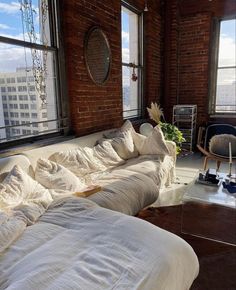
214 67
139 66
57 47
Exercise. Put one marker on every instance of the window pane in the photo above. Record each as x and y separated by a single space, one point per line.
226 90
27 107
130 93
16 21
129 36
227 48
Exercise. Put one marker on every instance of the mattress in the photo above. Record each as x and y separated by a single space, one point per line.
78 245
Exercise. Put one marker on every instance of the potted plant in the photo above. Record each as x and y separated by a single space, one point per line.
171 132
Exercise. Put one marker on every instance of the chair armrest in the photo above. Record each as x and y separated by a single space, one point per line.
172 149
203 150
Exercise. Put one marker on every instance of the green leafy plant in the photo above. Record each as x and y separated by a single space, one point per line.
172 133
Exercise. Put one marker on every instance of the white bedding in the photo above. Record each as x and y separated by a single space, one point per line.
161 169
125 191
79 245
135 184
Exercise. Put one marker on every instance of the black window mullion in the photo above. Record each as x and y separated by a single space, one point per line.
27 44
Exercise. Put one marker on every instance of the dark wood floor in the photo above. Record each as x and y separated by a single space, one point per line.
217 260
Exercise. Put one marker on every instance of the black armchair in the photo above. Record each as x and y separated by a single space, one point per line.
212 130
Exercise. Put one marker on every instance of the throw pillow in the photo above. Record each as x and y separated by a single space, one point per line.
219 145
154 144
124 145
80 161
107 155
122 141
20 192
55 176
96 163
117 132
128 126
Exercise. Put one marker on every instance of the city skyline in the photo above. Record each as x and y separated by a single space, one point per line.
21 109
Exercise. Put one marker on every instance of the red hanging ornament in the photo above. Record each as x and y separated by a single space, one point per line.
134 76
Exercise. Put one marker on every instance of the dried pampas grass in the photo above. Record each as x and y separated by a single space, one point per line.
155 112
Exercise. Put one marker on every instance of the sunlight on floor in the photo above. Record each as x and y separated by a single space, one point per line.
187 168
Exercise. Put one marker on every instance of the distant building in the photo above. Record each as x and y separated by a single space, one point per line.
226 98
21 107
2 121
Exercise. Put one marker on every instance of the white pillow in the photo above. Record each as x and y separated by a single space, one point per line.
20 192
124 145
80 161
96 163
122 141
55 176
154 144
117 132
128 126
107 155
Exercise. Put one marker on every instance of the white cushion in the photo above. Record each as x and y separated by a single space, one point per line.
20 192
71 144
116 133
122 140
124 145
127 126
107 155
79 161
154 144
55 176
146 129
96 163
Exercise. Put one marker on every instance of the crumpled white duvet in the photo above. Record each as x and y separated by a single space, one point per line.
79 245
135 184
125 191
11 227
161 169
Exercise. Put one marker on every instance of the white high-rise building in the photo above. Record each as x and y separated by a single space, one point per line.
2 120
20 105
226 98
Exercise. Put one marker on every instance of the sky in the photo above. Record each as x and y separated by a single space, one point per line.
11 20
12 56
227 52
125 37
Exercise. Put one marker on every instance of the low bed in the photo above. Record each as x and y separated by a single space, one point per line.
52 240
78 245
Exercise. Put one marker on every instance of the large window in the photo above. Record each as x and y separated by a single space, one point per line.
223 86
132 63
28 65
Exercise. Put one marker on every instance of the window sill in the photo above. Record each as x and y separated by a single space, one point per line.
28 146
223 116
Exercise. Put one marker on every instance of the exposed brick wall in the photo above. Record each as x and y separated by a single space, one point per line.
153 53
187 52
194 43
92 107
171 32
